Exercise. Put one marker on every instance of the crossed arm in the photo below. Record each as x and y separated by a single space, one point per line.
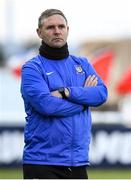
91 80
93 93
36 92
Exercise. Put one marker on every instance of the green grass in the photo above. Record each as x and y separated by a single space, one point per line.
13 173
109 173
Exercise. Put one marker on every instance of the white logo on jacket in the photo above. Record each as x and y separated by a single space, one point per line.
79 69
49 73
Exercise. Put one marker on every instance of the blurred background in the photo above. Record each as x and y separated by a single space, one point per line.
99 30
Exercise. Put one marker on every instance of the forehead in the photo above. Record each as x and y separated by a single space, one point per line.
54 20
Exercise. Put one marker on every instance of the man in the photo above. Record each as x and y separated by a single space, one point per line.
58 90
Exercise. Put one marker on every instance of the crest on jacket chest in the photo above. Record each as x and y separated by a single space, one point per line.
79 69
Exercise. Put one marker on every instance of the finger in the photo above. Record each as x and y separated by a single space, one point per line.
87 80
90 80
56 94
94 82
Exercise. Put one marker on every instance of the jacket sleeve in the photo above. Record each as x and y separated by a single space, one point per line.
91 95
36 92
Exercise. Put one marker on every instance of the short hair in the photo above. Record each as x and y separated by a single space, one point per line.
49 12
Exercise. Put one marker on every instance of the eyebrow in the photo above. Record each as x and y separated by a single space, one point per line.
59 25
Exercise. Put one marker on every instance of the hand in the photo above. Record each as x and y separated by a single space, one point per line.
56 94
91 80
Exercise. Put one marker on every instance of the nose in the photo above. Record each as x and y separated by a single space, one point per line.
57 30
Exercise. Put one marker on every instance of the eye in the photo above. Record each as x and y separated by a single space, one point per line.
50 27
61 26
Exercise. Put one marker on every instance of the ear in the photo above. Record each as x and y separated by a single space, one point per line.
68 29
38 30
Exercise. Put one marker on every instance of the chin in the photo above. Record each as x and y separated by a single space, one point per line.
59 45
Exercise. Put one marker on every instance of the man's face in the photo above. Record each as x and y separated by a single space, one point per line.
54 31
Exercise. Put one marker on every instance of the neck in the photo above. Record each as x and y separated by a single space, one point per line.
54 53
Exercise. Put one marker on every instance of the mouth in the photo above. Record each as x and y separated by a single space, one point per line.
57 39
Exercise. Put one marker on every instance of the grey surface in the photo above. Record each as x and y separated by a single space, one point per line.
11 104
